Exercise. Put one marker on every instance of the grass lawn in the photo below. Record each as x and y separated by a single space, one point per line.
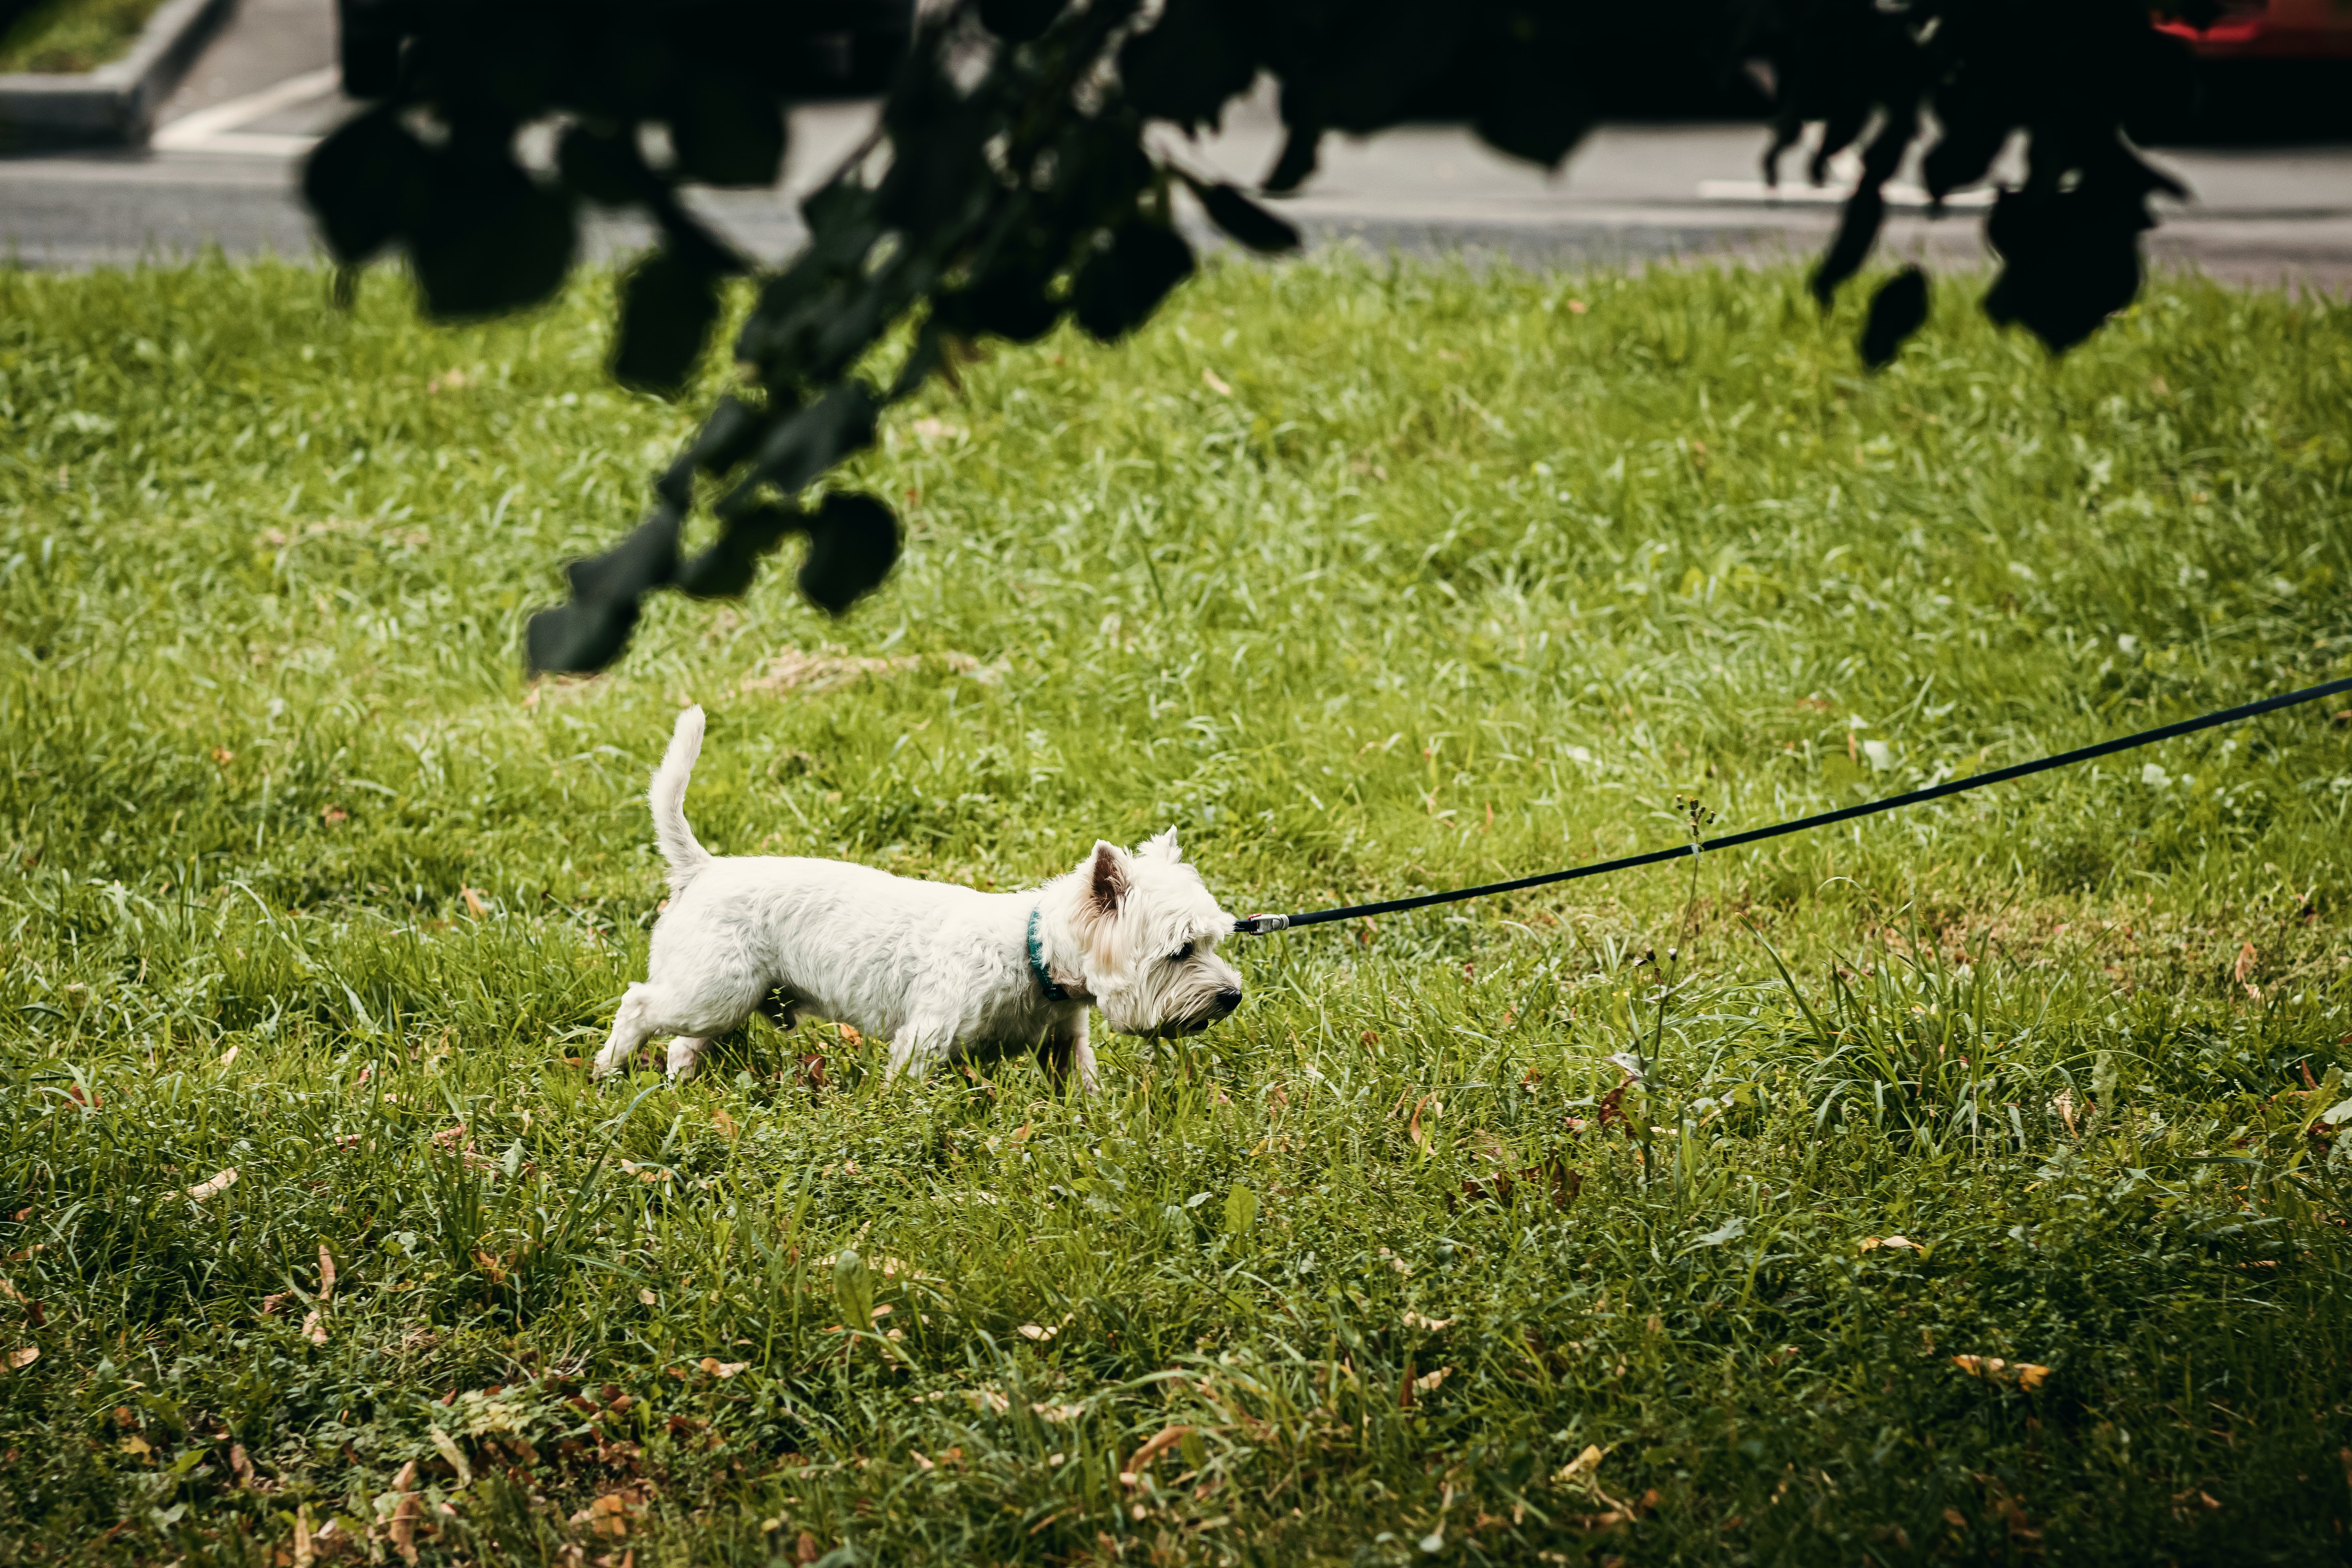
71 36
1370 580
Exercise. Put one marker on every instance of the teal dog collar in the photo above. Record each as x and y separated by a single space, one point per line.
1037 961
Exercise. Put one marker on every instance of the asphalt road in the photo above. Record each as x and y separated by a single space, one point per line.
226 154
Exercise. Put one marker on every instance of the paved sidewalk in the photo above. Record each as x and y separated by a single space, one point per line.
223 167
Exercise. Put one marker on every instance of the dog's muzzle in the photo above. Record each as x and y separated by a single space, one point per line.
1220 1007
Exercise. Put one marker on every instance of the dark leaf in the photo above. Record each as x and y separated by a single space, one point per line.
604 169
1296 161
646 558
853 541
369 54
1866 210
1358 67
1011 303
2069 261
490 238
1018 21
366 182
1896 310
727 435
835 206
1540 121
1120 286
668 305
1195 57
940 174
579 638
1962 153
728 130
812 440
726 568
725 438
1838 133
1242 218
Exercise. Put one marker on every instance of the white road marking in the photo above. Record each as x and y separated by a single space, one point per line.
1799 194
217 129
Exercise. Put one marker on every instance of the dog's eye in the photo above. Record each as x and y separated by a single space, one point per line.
1181 955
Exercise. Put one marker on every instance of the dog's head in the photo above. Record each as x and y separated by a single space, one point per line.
1150 929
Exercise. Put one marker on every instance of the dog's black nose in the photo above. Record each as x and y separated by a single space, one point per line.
1228 999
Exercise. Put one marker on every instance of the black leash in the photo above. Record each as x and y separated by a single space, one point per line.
1265 925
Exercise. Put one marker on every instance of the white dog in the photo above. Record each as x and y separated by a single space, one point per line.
940 971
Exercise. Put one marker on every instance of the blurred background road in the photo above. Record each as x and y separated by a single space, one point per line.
222 166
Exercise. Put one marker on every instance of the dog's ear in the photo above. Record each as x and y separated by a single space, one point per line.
1164 846
1107 876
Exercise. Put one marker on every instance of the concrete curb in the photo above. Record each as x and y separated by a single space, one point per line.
116 103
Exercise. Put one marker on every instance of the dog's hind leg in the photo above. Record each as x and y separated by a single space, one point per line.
630 1028
916 1048
710 1007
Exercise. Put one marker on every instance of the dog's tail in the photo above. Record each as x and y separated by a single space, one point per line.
678 847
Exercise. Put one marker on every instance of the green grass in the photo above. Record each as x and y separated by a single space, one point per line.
73 36
1459 578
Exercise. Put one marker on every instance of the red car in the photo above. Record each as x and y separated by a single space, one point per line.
2275 31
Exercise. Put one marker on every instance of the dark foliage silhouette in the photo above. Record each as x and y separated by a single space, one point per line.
1010 184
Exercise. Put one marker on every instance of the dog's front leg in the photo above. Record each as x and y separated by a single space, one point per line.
1064 1049
629 1032
1082 1057
920 1045
686 1057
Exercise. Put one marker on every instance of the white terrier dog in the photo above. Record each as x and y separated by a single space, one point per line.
940 971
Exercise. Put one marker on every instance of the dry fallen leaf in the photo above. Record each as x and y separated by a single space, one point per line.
326 1273
1165 1439
405 1511
1036 1331
454 1455
228 1055
314 1328
2027 1375
2247 958
214 1184
1428 1383
479 910
1415 1321
1584 1464
138 1447
1216 384
724 1123
723 1369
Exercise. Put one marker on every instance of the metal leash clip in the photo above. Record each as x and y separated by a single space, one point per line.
1260 925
